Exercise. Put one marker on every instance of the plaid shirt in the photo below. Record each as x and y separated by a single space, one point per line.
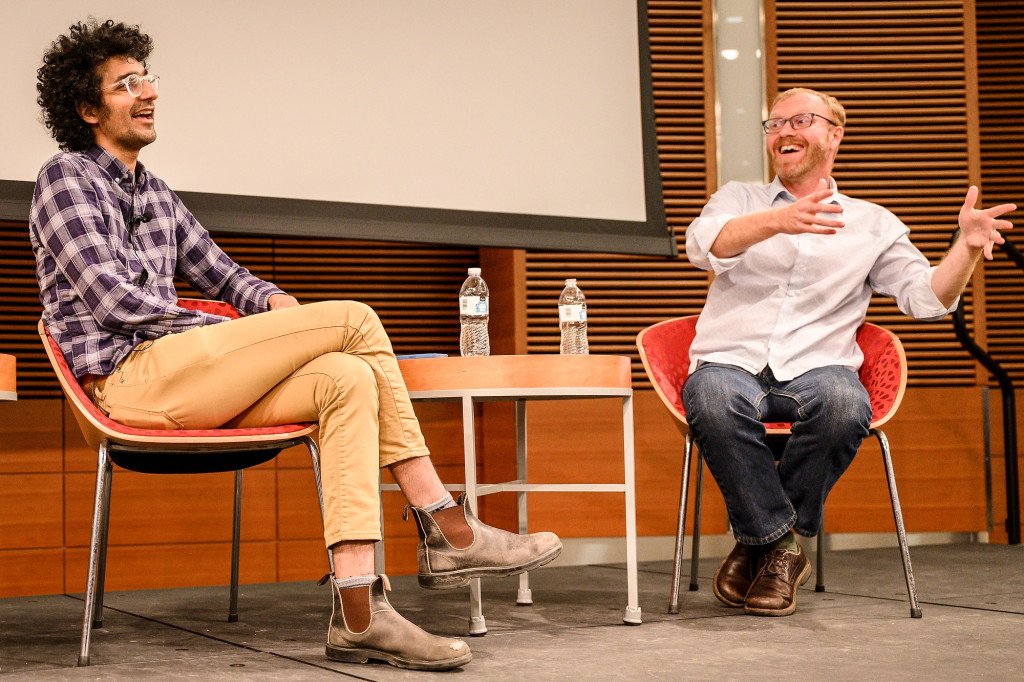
106 251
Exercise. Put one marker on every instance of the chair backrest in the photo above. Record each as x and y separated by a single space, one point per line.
97 427
665 352
884 372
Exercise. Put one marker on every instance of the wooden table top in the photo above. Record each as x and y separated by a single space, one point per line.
516 371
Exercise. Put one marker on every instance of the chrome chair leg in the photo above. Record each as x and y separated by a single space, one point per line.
101 575
103 469
698 496
677 558
314 454
819 584
901 533
235 549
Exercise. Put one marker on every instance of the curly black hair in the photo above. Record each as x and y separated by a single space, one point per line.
69 77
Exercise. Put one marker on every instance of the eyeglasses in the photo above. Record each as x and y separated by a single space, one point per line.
134 83
798 122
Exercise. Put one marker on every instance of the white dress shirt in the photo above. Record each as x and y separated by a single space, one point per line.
794 302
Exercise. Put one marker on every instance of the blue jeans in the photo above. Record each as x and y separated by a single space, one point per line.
726 408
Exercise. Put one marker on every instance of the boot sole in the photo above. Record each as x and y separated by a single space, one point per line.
804 576
343 655
454 579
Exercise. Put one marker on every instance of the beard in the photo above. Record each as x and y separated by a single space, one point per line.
815 156
119 127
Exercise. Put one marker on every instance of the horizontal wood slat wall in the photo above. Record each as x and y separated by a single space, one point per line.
413 287
1000 28
627 293
900 72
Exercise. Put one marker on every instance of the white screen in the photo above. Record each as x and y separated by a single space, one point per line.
525 107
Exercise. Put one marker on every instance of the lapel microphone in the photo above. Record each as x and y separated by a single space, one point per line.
139 219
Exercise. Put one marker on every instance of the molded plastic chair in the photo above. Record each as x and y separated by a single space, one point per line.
665 352
154 451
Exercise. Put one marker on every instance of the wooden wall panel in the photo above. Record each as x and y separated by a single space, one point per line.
1000 27
940 476
136 567
905 74
902 74
32 511
32 437
20 573
178 509
627 293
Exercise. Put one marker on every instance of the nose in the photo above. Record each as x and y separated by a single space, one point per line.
149 91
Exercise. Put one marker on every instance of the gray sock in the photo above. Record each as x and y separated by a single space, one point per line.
444 503
355 581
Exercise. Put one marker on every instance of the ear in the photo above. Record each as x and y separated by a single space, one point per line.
88 113
837 136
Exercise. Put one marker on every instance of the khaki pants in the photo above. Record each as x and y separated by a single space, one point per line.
327 362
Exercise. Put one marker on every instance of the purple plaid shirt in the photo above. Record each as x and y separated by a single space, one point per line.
105 276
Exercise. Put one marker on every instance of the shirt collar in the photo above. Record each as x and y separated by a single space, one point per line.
777 189
115 168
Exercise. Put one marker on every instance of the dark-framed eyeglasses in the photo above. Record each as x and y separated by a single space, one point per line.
797 121
133 83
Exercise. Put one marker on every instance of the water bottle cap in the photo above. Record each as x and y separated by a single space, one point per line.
570 282
474 272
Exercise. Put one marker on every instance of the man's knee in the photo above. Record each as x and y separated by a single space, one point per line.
351 376
336 310
847 405
713 401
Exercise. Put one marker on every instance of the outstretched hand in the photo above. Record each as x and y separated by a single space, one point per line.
804 215
980 227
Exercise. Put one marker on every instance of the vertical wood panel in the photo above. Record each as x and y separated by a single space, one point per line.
1000 27
901 73
627 293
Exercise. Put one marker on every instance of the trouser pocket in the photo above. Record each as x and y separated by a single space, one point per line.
143 419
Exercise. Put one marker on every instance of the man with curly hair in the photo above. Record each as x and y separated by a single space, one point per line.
109 236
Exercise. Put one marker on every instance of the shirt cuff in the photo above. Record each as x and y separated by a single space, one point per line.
704 233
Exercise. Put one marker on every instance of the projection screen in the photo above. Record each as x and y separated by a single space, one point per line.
476 122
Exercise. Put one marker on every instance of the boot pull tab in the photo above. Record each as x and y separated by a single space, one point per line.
405 512
386 582
323 581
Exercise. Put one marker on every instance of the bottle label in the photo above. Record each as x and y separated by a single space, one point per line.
572 313
472 305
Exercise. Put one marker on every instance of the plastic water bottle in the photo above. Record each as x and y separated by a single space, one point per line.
473 314
572 318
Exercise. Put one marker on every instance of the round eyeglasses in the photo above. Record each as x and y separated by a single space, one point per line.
798 122
133 83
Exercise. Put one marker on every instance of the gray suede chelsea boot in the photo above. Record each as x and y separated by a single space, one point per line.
455 547
364 626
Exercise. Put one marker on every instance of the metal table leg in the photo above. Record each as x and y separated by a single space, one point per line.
525 595
477 624
632 615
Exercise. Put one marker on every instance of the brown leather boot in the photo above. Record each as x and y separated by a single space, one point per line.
364 626
734 576
455 547
773 592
